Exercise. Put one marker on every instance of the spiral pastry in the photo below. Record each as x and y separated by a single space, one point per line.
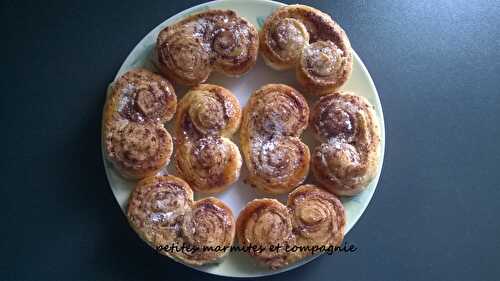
313 217
273 120
205 156
219 40
156 208
347 160
161 210
135 139
304 38
266 222
318 217
209 226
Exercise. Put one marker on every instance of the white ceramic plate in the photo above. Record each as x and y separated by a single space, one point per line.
239 264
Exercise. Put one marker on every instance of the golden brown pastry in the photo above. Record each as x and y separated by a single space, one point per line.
313 217
205 156
266 222
157 206
347 160
273 121
318 217
210 223
138 150
189 50
135 139
309 40
161 210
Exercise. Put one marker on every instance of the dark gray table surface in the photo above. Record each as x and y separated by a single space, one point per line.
434 216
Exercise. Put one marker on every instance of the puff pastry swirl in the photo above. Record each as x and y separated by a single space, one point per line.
313 217
162 211
347 159
205 156
273 121
219 40
135 139
304 38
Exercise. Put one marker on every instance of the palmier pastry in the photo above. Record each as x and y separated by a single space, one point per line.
304 38
205 156
318 217
265 223
313 217
347 160
220 40
135 139
273 121
161 210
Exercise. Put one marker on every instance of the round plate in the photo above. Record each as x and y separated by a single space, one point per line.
239 264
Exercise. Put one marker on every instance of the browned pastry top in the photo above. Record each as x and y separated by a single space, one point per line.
220 39
277 109
162 211
348 157
137 148
266 222
313 217
205 156
207 110
318 216
319 26
309 40
143 96
134 136
273 120
157 206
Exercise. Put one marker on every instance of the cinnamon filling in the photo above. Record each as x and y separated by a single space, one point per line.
335 122
210 154
278 157
322 58
278 114
289 36
187 56
227 44
137 143
207 113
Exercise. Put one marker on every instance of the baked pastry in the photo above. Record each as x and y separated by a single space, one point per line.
304 38
161 210
205 156
220 40
135 139
273 121
313 217
266 222
347 159
318 217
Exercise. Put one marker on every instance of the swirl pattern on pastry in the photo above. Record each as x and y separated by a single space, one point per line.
219 40
205 156
210 223
162 211
318 216
313 217
135 139
347 159
273 121
266 222
309 40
